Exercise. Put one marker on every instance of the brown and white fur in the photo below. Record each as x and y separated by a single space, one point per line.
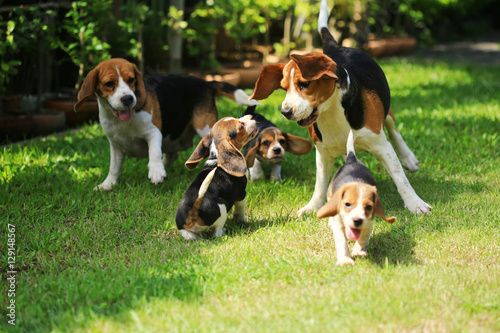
353 202
269 146
222 181
332 92
148 119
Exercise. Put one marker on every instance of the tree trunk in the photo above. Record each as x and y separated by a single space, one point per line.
175 41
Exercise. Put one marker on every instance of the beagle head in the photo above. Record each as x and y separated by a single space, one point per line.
223 144
116 82
272 143
309 81
357 204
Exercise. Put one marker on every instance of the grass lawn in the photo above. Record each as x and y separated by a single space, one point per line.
114 261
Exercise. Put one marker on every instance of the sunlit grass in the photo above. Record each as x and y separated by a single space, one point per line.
114 261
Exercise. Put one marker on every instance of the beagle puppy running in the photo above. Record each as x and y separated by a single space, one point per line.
269 146
222 181
145 119
332 92
352 206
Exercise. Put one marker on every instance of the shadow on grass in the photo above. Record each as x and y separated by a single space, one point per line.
395 246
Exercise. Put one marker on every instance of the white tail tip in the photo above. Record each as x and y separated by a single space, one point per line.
206 183
350 143
323 16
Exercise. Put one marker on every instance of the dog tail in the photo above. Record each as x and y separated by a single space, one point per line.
193 215
326 37
250 110
228 90
351 154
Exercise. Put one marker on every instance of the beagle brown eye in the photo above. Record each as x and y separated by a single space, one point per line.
304 85
347 205
131 80
242 126
368 208
282 142
266 143
110 84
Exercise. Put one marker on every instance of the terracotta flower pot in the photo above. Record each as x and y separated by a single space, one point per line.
46 123
88 113
15 127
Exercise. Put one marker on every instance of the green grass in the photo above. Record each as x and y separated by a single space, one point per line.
114 261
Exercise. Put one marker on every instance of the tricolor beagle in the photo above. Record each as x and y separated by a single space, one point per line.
269 146
353 203
145 119
222 181
332 92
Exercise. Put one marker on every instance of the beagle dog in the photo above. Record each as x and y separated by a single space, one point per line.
353 202
222 181
269 146
145 118
332 92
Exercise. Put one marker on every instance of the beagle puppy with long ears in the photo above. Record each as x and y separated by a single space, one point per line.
145 118
353 202
332 92
222 181
269 146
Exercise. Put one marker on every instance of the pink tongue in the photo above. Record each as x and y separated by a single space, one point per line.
353 234
125 115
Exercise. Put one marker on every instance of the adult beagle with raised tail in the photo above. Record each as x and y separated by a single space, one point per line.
269 146
222 181
145 119
332 92
353 202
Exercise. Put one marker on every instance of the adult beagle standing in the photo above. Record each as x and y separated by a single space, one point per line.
269 146
353 202
222 181
145 119
332 92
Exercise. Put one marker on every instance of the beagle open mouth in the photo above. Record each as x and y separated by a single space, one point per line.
352 233
124 115
311 119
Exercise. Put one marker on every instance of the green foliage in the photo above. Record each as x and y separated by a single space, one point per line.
7 45
84 23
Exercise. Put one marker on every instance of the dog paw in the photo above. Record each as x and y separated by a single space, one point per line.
220 232
104 187
308 209
189 235
157 173
418 206
240 218
410 162
345 261
359 252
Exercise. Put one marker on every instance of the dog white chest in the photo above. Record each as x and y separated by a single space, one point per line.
129 136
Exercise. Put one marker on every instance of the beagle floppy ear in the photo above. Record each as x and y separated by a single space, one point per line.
201 151
379 210
332 207
315 65
140 89
297 145
252 153
269 80
230 159
87 88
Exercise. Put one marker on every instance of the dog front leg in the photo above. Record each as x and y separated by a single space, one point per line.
343 255
115 167
256 171
157 171
360 248
276 172
239 211
324 166
384 151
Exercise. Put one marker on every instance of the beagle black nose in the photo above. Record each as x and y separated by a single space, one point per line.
277 150
287 113
357 222
127 100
